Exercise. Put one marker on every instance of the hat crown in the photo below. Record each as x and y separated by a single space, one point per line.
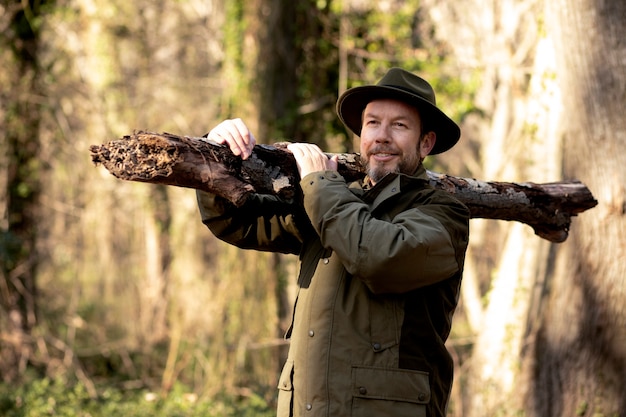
409 82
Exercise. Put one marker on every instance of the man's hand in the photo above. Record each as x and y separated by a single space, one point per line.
236 135
310 158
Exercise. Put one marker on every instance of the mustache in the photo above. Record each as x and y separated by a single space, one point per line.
383 149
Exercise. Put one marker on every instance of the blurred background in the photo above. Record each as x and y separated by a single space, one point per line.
114 291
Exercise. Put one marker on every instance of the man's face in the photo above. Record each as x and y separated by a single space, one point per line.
390 138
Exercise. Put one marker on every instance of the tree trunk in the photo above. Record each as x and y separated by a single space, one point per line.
260 69
18 257
194 163
580 351
516 132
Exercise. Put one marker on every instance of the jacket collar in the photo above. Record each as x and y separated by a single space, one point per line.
390 186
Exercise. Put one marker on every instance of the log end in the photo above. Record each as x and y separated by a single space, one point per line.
98 153
552 235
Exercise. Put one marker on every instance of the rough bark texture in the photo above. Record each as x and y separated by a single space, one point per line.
199 164
580 350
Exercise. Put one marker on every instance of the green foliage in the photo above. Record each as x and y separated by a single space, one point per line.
373 37
234 33
45 397
399 40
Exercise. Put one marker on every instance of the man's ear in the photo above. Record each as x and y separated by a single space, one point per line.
427 143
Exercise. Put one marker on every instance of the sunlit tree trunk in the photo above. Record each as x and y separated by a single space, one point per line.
532 149
550 339
579 363
516 128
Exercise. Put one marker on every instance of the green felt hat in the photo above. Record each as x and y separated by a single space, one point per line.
405 86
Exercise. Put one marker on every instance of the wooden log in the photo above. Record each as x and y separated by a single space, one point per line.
163 158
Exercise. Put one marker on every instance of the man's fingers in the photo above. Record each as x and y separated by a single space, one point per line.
308 149
240 138
309 158
236 134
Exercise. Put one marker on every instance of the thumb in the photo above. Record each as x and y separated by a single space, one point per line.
333 162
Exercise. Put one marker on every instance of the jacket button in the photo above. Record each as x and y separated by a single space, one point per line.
362 390
421 397
311 333
326 260
376 346
309 407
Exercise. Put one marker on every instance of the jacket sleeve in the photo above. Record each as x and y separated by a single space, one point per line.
418 246
264 222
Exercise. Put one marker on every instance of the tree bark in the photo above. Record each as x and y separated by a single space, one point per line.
199 164
579 350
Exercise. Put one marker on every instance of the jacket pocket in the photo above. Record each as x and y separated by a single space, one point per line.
285 391
389 392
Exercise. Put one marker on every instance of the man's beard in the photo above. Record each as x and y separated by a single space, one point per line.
407 165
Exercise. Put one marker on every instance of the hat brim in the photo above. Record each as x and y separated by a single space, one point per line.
352 103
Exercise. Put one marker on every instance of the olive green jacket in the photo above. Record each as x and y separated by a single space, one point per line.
378 285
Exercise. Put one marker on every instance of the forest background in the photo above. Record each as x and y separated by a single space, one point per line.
116 300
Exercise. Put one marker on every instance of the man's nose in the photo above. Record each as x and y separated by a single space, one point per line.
382 135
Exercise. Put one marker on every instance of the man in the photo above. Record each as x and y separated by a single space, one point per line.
380 259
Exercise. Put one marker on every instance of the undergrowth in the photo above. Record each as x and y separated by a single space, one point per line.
45 397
